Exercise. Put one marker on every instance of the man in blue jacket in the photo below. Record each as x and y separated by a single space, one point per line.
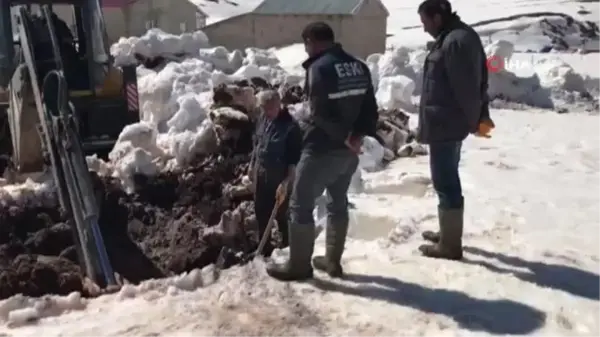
342 111
277 147
453 104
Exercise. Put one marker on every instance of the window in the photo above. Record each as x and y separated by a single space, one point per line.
153 17
200 20
183 27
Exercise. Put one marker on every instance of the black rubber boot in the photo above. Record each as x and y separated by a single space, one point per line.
449 245
335 239
431 236
297 267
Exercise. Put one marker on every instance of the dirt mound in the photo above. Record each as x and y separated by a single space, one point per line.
174 222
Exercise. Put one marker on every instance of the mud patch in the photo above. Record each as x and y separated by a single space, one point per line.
171 224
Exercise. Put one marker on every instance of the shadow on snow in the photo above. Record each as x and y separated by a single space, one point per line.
491 316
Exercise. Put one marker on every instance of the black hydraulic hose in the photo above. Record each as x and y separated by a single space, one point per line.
75 167
53 38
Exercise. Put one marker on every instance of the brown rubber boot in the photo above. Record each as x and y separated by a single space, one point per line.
450 241
335 239
297 267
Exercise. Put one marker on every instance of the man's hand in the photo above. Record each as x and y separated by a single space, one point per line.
485 127
252 171
354 144
281 193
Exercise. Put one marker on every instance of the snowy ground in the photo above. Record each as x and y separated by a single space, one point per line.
531 260
532 238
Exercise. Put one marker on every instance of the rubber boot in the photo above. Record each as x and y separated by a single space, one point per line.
335 239
297 267
431 236
450 242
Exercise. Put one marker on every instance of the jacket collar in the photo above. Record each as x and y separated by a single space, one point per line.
336 47
452 24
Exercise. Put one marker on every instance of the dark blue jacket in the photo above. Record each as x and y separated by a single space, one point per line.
455 82
277 142
341 98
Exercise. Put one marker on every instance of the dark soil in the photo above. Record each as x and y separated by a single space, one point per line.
158 231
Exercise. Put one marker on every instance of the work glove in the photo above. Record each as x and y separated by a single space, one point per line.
485 127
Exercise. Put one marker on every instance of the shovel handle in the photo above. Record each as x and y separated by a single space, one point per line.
265 237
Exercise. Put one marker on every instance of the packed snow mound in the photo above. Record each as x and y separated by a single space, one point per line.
29 192
398 73
222 59
395 92
157 43
372 154
392 63
20 310
550 75
501 50
555 73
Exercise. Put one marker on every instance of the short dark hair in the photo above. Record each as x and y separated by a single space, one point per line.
432 7
318 32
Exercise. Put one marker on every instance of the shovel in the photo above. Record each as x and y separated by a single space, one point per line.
263 241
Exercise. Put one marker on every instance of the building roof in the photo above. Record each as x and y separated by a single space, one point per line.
327 7
116 3
124 3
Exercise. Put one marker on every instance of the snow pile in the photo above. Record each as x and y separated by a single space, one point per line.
222 59
395 92
397 77
29 192
157 43
507 85
550 75
372 154
19 310
555 73
176 98
194 48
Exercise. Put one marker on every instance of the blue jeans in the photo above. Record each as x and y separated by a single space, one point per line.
444 158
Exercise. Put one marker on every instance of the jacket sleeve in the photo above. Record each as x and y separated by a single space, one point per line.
463 60
293 145
255 140
366 122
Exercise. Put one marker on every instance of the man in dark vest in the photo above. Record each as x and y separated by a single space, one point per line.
342 111
453 105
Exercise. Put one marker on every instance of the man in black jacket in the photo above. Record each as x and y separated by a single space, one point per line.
342 111
453 102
